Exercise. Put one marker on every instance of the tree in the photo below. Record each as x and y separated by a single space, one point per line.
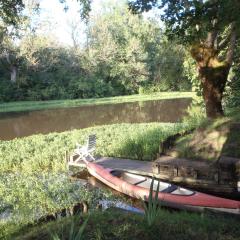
116 48
131 53
209 29
14 25
9 15
9 10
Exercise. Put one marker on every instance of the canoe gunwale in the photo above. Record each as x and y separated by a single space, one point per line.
195 202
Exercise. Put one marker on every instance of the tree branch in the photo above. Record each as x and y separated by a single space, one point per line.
223 43
232 43
211 37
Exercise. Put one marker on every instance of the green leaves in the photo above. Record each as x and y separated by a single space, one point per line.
9 10
191 20
75 231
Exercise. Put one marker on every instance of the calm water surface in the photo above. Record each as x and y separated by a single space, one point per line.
21 124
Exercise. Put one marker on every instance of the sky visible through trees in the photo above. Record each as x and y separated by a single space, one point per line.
60 20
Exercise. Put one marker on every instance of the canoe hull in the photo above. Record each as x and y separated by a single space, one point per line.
194 202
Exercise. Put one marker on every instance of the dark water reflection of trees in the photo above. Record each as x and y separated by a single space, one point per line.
58 120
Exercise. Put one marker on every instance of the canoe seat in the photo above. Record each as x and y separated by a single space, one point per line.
140 181
170 189
132 178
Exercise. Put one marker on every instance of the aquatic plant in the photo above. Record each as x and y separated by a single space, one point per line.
152 208
26 199
43 153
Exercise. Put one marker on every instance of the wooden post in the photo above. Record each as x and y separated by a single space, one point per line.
216 177
175 171
195 174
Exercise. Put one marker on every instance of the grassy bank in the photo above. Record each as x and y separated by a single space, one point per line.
117 225
33 168
212 139
40 153
40 105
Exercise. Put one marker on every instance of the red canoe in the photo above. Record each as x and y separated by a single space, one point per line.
170 195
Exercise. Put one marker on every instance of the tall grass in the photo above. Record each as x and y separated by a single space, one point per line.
75 231
43 153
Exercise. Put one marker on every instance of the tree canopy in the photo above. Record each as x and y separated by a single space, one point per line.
10 9
210 29
125 53
120 57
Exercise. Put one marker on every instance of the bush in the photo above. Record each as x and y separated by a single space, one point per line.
149 89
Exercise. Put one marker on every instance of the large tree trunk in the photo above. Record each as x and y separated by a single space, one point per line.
213 80
213 75
213 72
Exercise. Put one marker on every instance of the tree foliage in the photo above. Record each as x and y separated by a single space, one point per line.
210 29
124 53
9 10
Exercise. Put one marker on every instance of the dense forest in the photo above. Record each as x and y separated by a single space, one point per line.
121 53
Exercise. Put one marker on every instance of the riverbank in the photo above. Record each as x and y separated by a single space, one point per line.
115 224
41 105
32 168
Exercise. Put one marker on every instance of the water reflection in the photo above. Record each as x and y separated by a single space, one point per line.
58 120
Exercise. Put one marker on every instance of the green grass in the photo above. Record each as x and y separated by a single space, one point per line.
75 232
117 225
211 139
40 153
33 168
40 105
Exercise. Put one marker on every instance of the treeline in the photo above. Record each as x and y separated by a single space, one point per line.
123 54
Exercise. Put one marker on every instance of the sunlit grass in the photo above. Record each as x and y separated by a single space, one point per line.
211 139
40 105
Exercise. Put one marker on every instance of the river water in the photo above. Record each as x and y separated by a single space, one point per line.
20 124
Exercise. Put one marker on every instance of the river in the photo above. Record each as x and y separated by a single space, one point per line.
20 124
